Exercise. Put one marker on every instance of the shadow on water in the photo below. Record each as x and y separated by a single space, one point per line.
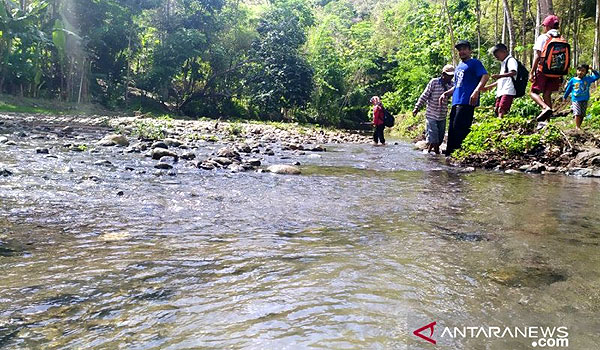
8 249
523 276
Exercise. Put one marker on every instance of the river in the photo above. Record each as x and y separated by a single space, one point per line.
367 245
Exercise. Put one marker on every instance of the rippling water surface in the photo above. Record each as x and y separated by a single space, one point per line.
364 247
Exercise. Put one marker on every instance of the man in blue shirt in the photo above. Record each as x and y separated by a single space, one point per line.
470 78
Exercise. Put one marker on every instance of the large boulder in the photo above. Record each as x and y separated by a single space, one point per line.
284 169
586 158
113 140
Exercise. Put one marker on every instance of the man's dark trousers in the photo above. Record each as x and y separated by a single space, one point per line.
461 118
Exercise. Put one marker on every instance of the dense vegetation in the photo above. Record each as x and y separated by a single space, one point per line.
305 60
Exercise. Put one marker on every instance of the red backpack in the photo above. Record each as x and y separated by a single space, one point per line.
556 57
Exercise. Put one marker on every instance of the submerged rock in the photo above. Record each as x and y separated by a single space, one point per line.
162 165
284 169
103 162
526 276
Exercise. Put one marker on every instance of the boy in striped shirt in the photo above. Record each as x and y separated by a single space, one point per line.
435 114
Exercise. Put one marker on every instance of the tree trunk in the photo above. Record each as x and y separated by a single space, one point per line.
575 60
496 35
509 25
503 26
596 59
524 32
538 21
478 10
546 8
451 30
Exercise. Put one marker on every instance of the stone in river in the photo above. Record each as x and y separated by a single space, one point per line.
284 169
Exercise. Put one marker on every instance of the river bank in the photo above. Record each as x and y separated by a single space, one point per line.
169 143
520 144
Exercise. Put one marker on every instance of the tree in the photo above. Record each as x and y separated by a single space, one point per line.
596 55
282 78
509 25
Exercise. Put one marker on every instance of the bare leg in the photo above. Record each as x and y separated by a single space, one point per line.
548 98
538 99
578 120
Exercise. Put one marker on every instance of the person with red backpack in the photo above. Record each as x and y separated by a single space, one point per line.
378 120
551 61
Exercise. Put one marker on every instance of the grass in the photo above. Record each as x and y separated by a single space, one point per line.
16 104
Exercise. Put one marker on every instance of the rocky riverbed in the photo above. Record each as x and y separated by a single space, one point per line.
207 144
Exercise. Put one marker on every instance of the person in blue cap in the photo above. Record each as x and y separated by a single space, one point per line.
470 78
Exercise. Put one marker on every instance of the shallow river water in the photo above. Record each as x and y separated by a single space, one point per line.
363 248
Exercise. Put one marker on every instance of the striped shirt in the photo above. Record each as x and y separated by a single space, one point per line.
430 97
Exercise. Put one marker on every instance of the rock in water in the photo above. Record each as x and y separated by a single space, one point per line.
113 140
228 153
159 144
158 153
284 169
162 165
188 156
172 142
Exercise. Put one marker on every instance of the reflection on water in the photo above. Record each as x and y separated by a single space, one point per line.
367 242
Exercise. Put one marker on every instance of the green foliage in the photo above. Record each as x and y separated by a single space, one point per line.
281 76
409 126
235 128
509 136
291 60
148 129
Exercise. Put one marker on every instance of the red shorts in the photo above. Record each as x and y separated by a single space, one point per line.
542 83
503 103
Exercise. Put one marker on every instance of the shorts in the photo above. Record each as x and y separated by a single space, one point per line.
435 131
503 103
542 83
579 107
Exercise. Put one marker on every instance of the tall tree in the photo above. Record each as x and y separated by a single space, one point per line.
509 25
524 31
546 8
596 55
451 30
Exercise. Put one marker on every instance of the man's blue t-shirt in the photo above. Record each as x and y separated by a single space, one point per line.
467 76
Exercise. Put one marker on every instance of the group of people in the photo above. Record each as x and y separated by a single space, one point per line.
468 80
